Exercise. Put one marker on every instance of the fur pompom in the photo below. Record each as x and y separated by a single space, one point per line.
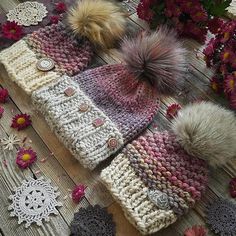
207 131
157 57
101 21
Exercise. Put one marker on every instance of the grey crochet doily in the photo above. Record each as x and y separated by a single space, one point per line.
221 216
92 221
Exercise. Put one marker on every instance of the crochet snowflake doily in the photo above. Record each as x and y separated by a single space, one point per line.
9 142
221 216
92 221
34 201
27 13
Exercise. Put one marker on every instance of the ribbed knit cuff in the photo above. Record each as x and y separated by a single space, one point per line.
84 129
132 195
20 63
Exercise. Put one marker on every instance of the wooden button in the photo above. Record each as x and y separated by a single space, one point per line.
83 107
98 122
69 92
45 64
112 143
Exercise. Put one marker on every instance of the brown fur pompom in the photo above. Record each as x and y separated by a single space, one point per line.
207 131
157 57
101 21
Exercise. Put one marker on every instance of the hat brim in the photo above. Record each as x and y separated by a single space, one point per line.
130 192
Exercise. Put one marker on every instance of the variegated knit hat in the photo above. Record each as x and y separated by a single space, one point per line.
96 112
63 48
156 179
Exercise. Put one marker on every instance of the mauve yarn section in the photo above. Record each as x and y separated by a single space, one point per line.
130 103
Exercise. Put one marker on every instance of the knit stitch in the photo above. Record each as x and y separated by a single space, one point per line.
155 162
74 126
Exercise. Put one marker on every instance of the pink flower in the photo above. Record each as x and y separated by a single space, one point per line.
172 110
60 7
226 55
3 95
144 12
78 193
1 111
199 16
25 157
196 230
215 24
54 19
11 30
230 84
232 187
21 121
216 85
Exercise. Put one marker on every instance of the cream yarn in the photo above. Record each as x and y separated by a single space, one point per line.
20 63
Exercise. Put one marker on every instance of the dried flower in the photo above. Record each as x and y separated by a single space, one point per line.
215 24
11 30
1 111
172 110
21 121
196 230
9 142
60 7
25 157
216 85
78 193
230 84
232 187
54 19
3 95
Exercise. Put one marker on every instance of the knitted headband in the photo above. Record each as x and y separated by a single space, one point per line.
44 55
110 105
160 174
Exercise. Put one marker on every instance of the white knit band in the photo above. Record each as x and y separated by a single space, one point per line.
131 194
74 127
20 62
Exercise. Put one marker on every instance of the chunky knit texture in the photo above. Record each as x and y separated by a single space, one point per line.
155 162
74 125
109 103
70 55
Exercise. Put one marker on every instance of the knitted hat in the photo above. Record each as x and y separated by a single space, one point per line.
57 49
155 180
97 111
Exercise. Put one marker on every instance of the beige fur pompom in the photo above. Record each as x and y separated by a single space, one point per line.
207 131
101 21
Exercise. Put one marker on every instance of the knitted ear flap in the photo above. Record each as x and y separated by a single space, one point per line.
207 131
101 21
157 57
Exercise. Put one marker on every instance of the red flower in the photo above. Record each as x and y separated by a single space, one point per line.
1 111
172 110
215 24
21 121
196 230
199 15
25 157
60 7
54 19
216 85
3 95
11 30
144 12
230 84
232 187
233 101
78 193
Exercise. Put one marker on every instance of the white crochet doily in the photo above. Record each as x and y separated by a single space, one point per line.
34 201
27 13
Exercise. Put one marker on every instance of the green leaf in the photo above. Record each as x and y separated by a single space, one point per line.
216 7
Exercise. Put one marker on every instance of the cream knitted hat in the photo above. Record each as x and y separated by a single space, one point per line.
58 49
108 106
155 180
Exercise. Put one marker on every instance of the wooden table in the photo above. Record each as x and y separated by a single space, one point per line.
65 171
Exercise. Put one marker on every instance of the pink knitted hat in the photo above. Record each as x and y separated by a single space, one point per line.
156 180
108 106
63 48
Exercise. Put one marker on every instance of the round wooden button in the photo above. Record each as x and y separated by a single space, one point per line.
45 64
112 143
